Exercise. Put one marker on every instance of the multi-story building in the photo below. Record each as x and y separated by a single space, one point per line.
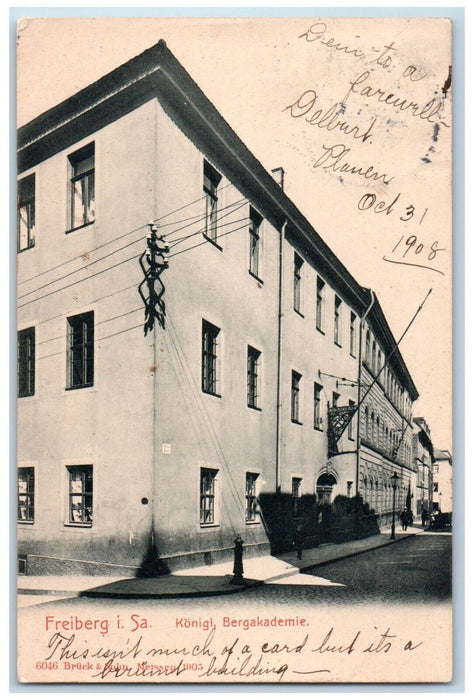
387 396
170 401
423 455
442 481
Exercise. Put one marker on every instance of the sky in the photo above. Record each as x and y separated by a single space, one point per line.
278 82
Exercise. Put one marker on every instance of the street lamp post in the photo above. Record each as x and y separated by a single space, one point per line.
394 479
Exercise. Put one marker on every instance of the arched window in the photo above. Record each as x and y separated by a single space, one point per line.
367 347
373 356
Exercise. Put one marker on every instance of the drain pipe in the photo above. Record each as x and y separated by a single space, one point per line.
363 317
279 360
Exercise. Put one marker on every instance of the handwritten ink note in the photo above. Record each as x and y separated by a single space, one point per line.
245 645
382 122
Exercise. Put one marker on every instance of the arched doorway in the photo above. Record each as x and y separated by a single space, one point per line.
324 487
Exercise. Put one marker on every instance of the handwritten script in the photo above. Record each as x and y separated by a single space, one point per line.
204 657
379 92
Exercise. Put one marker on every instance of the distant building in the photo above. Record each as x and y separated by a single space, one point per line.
443 481
423 454
170 401
386 419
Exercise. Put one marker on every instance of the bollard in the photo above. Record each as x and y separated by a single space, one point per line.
238 564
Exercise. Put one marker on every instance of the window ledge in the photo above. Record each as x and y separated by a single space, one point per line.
338 344
320 430
298 312
214 242
253 522
78 228
25 522
211 393
206 526
23 250
254 408
296 422
256 277
320 330
80 526
81 386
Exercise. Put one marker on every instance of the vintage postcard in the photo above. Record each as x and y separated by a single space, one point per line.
234 350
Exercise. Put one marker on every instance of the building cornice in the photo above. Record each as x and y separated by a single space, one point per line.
156 73
382 332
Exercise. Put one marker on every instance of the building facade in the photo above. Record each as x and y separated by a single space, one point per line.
386 428
424 458
442 481
191 354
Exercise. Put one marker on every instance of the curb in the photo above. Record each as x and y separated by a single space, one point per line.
44 591
362 551
188 594
250 583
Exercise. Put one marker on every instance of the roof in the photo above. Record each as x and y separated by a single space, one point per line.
380 327
157 74
442 454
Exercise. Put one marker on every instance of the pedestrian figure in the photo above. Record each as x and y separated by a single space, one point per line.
238 563
404 517
424 517
298 541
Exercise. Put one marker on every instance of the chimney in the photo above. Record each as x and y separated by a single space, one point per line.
279 175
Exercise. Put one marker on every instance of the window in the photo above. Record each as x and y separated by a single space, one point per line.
80 344
350 429
337 320
367 347
435 486
80 495
210 336
26 494
297 274
251 497
254 243
253 362
379 361
335 399
296 496
317 418
207 499
320 284
352 331
26 212
211 184
372 362
82 202
295 396
26 362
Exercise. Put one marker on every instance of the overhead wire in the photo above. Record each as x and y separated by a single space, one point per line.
98 340
124 235
98 323
110 267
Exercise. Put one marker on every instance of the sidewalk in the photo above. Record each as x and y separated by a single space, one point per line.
206 580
